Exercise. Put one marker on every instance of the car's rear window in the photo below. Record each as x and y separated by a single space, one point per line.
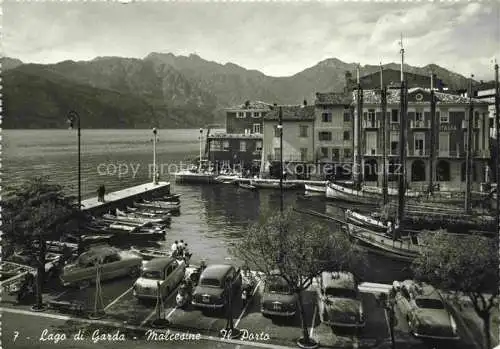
151 274
278 288
340 292
429 303
210 282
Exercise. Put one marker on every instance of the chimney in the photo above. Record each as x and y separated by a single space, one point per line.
305 103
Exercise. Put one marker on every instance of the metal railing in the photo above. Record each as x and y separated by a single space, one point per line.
371 123
420 124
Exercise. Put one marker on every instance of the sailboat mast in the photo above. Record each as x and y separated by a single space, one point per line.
468 155
402 141
280 126
497 130
357 171
433 137
383 99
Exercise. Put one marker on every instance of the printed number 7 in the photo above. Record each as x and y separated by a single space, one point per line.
16 334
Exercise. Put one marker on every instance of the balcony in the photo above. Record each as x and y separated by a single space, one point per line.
448 154
290 158
372 152
484 154
422 124
371 123
394 126
465 126
418 153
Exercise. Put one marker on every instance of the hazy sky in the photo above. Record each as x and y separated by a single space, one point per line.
279 39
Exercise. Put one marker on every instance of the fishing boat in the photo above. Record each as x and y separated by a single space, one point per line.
170 198
365 221
131 219
150 253
404 249
315 188
228 179
338 192
159 204
271 184
163 217
247 186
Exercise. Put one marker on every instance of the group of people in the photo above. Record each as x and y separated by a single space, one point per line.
180 249
393 230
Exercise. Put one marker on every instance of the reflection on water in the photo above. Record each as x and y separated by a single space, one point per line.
212 216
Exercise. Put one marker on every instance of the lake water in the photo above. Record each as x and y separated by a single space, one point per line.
212 217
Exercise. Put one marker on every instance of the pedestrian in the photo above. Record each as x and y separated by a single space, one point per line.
174 248
101 191
180 248
389 228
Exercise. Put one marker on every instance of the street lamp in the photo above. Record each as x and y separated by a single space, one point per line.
155 139
199 164
72 117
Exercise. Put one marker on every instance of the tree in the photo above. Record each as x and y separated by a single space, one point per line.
282 244
467 265
35 212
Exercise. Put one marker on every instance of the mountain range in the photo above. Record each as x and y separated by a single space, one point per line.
162 89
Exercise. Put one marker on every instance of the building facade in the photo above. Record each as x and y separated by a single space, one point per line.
246 118
298 141
333 133
450 134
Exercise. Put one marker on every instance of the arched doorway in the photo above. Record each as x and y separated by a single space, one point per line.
418 171
443 171
371 170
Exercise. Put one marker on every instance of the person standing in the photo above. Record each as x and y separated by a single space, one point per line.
101 191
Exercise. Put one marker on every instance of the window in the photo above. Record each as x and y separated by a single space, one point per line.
419 143
256 114
243 146
371 143
347 116
226 145
210 282
429 303
394 115
325 136
257 128
277 131
340 292
394 143
326 117
444 118
216 145
335 153
152 274
444 142
248 114
303 154
258 146
240 115
347 135
303 131
324 152
347 153
371 116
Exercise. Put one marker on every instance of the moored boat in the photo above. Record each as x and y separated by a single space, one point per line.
159 217
247 186
315 188
150 253
365 221
338 192
271 184
171 206
132 219
404 249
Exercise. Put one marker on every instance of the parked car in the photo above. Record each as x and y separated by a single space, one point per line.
114 263
211 291
53 261
424 309
166 271
278 299
339 300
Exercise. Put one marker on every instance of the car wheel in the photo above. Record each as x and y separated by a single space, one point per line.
84 284
134 272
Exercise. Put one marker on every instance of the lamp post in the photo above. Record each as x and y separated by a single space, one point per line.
155 139
497 130
72 117
199 164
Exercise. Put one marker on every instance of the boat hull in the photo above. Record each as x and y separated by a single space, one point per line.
383 245
272 185
365 221
338 192
315 188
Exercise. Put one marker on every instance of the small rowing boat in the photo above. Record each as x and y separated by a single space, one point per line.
268 184
247 186
315 188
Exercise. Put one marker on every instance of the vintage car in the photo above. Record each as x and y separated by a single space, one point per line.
113 263
166 271
278 299
424 309
339 300
211 289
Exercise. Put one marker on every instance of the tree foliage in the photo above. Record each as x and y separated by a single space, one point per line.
37 208
297 251
468 264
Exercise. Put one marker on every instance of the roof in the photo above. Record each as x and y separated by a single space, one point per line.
252 105
393 97
235 136
158 263
216 271
333 98
292 113
338 279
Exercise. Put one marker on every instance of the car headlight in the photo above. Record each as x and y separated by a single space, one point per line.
453 325
361 314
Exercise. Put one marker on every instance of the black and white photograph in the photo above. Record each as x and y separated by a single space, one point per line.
250 174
